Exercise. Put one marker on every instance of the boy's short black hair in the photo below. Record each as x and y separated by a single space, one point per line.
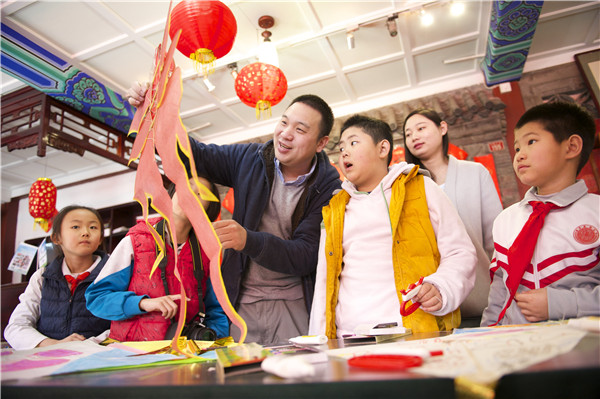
376 128
214 208
319 105
564 119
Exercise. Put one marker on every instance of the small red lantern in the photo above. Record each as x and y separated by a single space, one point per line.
261 85
42 202
208 31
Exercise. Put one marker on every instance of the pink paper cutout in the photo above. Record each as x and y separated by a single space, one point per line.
27 364
58 353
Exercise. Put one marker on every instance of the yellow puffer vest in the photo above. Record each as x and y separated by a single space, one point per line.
415 252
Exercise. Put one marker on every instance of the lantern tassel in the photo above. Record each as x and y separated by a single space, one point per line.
263 106
204 60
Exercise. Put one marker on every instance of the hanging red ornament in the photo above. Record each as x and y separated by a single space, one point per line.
208 30
261 85
42 202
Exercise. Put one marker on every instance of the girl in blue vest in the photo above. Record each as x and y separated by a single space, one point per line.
141 306
52 309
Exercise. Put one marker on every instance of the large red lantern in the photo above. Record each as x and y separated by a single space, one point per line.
261 86
208 29
42 202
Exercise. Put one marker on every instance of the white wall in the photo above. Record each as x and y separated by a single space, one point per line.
100 193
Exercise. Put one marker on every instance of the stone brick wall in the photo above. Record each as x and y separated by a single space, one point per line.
476 119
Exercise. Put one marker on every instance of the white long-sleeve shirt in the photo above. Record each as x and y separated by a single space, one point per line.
367 291
21 332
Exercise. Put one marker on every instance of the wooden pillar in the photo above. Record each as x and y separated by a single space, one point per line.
515 107
10 211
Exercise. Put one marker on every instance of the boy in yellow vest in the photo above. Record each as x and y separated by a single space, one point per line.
384 230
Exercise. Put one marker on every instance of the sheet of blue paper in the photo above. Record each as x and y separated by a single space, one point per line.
112 358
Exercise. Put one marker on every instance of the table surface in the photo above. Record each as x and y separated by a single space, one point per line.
574 374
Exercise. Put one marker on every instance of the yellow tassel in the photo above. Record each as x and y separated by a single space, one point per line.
263 106
204 60
43 223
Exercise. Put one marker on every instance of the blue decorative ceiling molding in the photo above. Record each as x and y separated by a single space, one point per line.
512 25
25 60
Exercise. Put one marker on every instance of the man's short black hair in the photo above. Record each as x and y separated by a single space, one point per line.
564 119
319 105
376 128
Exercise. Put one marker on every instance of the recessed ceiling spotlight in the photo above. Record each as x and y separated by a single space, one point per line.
457 8
426 18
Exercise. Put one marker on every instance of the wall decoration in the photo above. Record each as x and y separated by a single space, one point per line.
512 25
589 66
25 60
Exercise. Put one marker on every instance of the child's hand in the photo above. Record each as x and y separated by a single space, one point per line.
50 341
533 304
165 305
429 297
231 234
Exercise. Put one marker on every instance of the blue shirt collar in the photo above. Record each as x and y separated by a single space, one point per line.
300 180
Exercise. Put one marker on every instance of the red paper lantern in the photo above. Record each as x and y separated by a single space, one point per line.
208 30
42 202
261 85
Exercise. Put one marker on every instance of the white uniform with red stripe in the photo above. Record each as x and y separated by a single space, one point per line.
565 260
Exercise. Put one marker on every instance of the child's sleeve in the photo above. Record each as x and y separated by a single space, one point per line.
21 332
317 314
216 317
455 276
108 296
574 302
496 299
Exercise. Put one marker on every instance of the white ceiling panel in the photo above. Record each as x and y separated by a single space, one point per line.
431 65
365 87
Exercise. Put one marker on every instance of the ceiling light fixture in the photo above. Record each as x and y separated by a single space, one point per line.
457 8
426 18
391 25
209 86
233 69
350 36
350 39
267 52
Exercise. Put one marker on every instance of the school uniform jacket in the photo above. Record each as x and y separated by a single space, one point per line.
565 259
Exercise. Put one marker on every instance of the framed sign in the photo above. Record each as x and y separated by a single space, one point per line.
589 66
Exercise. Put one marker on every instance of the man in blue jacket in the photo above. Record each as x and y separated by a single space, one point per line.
272 241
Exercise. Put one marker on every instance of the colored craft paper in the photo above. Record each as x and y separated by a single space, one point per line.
483 354
114 358
159 129
40 362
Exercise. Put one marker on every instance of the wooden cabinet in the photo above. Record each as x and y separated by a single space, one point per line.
117 221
